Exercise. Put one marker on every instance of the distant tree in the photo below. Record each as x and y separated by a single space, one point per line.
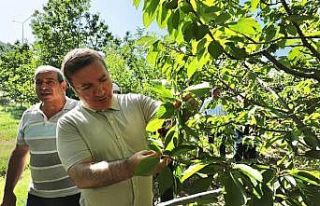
127 63
16 73
4 47
64 25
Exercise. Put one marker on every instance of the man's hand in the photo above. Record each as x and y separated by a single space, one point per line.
164 161
147 162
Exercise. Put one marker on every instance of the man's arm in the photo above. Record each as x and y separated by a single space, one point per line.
16 165
88 174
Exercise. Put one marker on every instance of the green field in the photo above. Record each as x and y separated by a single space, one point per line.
9 120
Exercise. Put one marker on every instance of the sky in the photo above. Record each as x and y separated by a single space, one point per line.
119 15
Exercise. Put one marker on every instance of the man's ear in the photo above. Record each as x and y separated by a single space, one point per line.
64 85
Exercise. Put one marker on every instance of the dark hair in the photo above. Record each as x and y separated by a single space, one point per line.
214 89
48 68
77 59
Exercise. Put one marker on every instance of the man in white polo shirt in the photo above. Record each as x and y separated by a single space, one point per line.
51 186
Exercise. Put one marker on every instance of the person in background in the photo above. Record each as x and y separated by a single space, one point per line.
37 136
103 141
116 89
245 149
218 110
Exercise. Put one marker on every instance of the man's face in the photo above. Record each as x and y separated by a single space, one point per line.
48 88
93 86
215 94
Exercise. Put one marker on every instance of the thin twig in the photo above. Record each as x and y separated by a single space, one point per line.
192 198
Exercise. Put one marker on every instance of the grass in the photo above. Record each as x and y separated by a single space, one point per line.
21 189
8 131
9 120
5 147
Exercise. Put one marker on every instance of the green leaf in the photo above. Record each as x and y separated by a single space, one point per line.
239 53
175 19
312 176
165 180
312 141
234 195
162 91
136 3
192 170
145 41
247 26
299 18
200 185
291 180
165 111
249 171
191 132
155 144
199 89
270 32
313 154
147 19
215 49
186 7
172 4
152 57
146 166
171 134
254 5
265 200
294 53
192 68
291 30
222 18
201 31
154 125
182 149
149 11
162 16
188 31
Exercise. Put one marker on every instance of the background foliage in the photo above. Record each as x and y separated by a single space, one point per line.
264 55
64 25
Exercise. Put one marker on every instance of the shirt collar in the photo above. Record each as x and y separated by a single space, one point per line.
67 105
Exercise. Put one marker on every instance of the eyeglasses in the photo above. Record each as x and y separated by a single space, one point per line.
49 83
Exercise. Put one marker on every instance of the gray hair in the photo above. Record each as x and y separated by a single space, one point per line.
48 68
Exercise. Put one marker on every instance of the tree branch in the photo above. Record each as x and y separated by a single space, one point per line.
313 74
192 198
302 36
282 38
310 74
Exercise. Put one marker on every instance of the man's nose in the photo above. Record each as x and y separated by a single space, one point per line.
99 91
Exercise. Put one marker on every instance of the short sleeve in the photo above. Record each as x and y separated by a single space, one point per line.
21 127
71 146
149 107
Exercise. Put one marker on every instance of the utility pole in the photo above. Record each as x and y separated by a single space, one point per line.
22 27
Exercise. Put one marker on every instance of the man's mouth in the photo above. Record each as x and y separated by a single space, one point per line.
101 99
45 93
